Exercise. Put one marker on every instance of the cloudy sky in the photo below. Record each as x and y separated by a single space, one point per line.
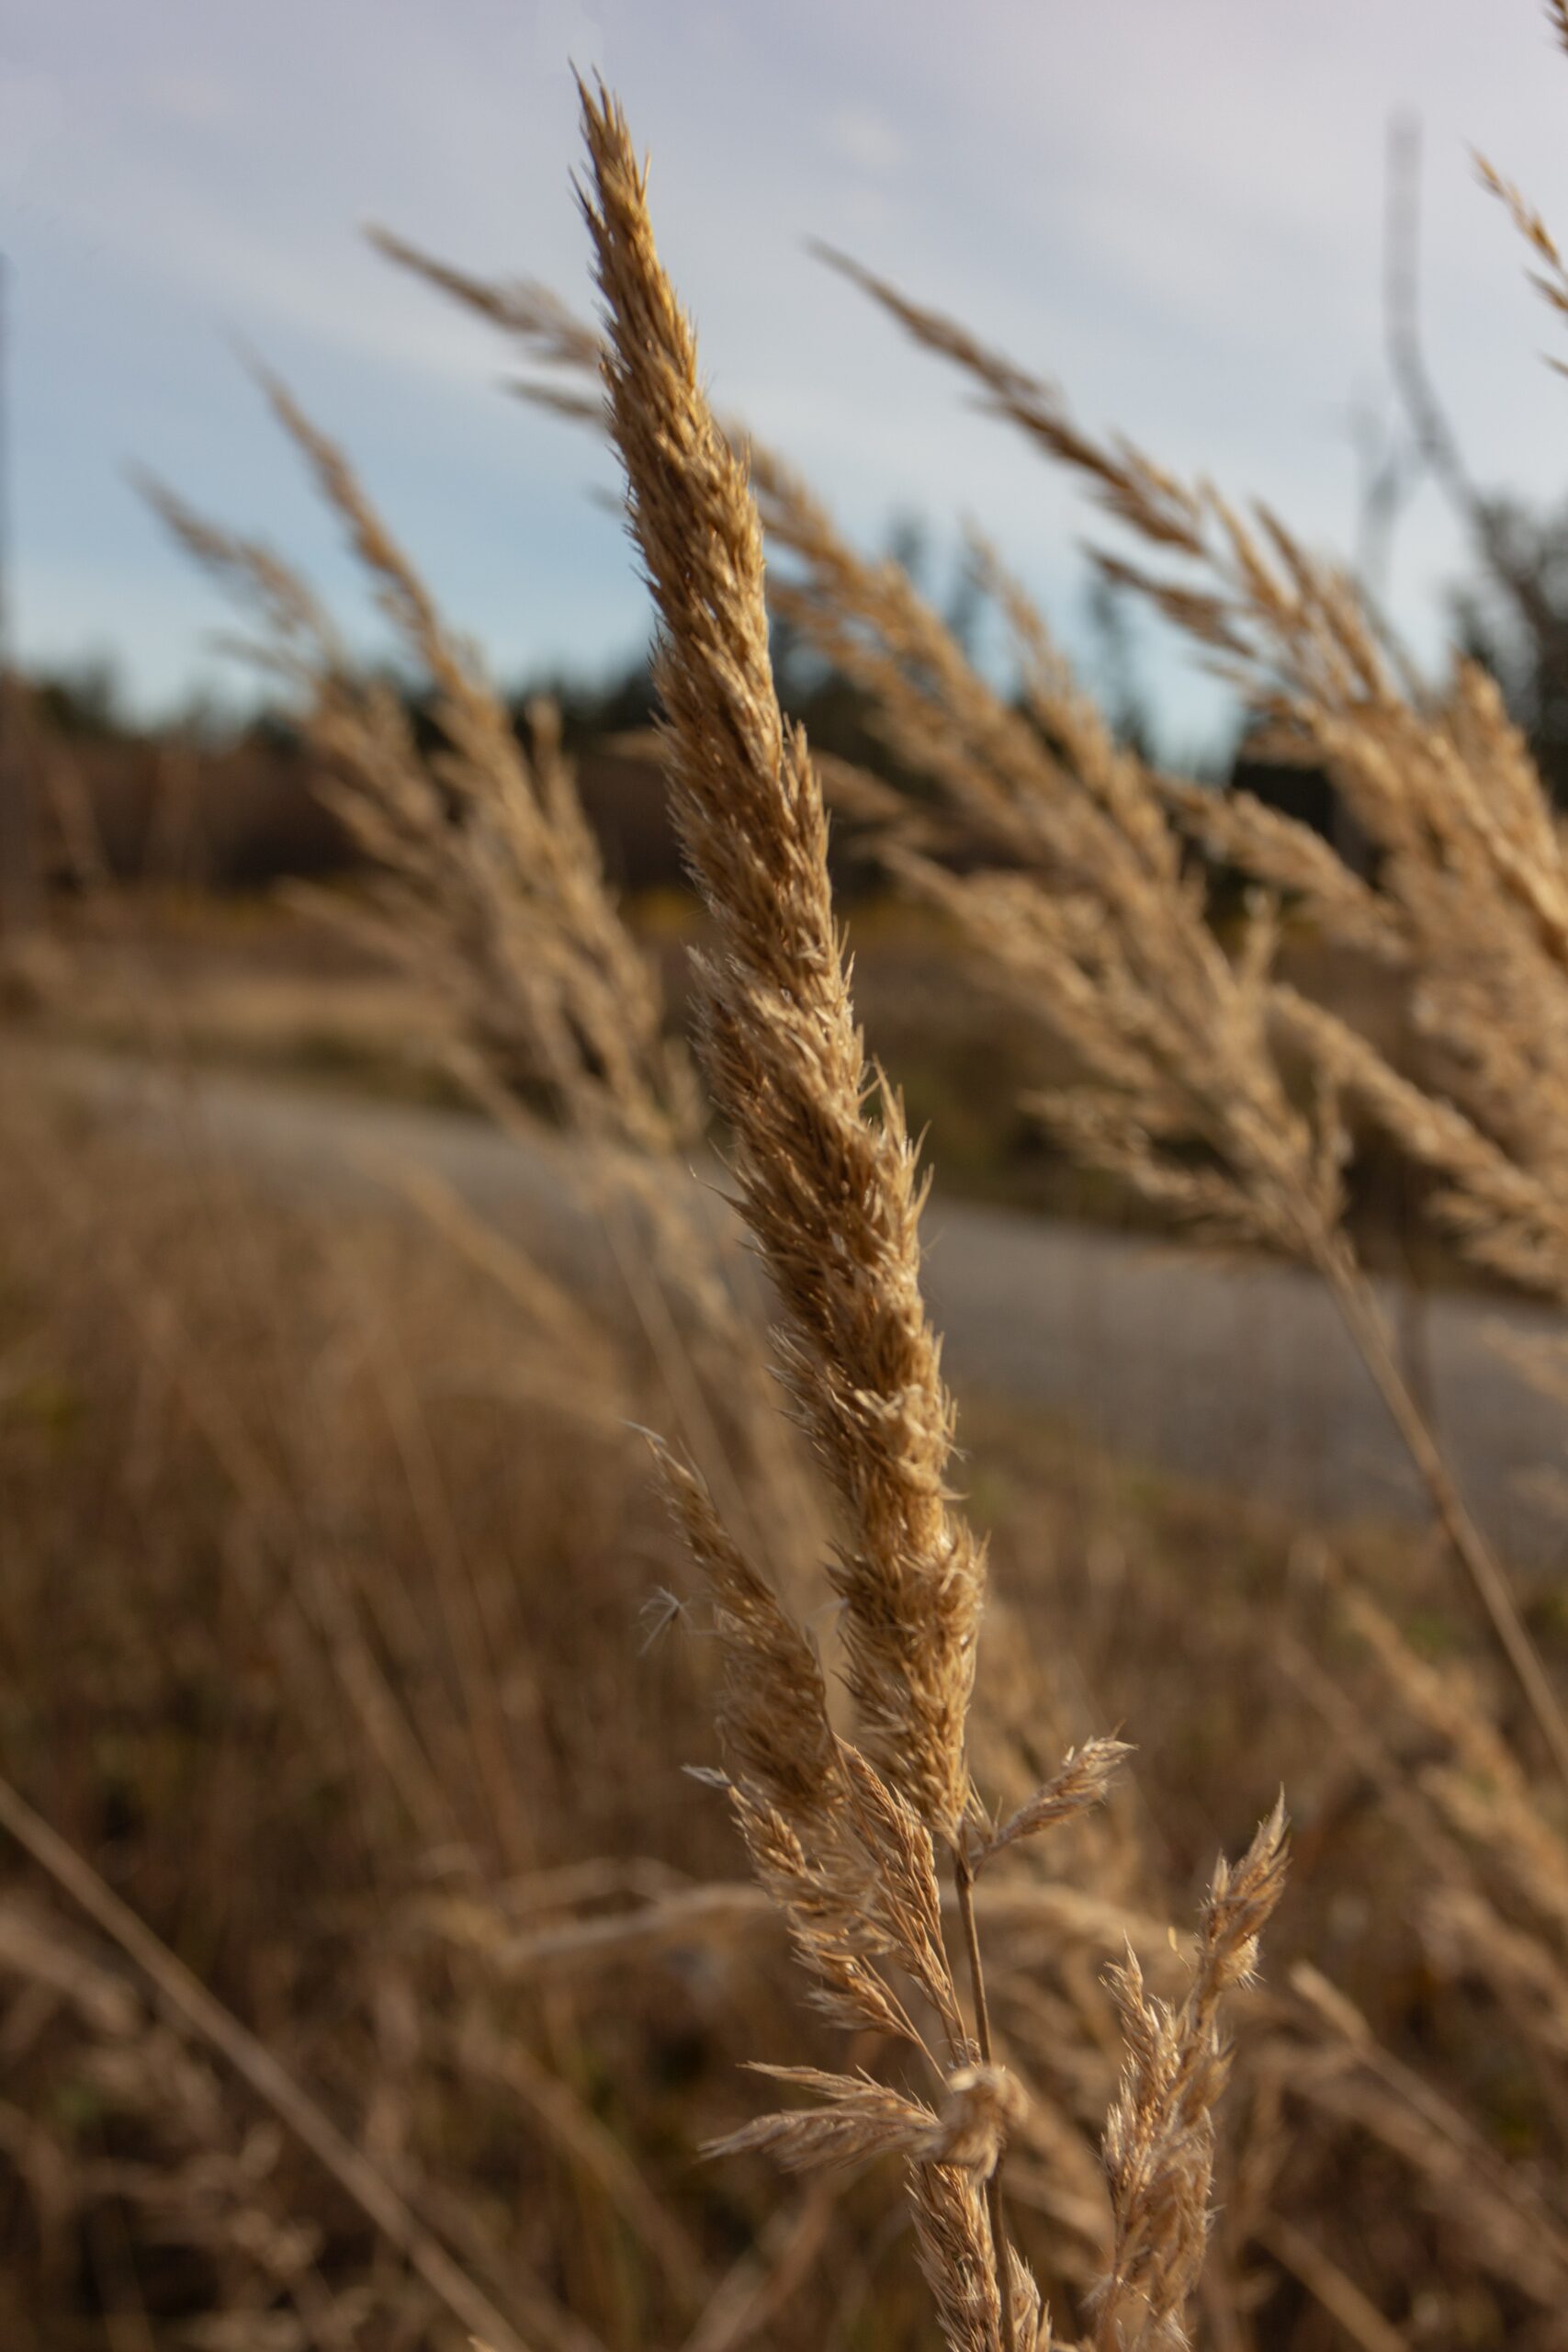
1172 206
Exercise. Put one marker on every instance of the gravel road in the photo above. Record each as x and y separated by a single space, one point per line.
1238 1372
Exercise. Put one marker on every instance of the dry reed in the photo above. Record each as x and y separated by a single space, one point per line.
1092 908
844 1841
1180 1043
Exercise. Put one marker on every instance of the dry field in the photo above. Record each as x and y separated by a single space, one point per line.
257 983
329 1640
459 1720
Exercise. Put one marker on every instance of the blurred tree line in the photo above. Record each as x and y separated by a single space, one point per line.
217 800
248 811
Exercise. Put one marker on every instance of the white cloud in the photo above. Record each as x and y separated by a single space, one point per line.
32 111
189 97
1177 209
565 33
864 138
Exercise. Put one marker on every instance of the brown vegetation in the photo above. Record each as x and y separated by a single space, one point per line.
368 1980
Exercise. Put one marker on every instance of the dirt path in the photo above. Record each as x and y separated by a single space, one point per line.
1237 1373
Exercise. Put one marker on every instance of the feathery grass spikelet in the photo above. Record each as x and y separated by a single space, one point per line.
831 1195
1083 1780
1159 2142
501 902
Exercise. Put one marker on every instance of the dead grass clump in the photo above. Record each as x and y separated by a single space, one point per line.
1096 924
494 1994
849 1854
261 1473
